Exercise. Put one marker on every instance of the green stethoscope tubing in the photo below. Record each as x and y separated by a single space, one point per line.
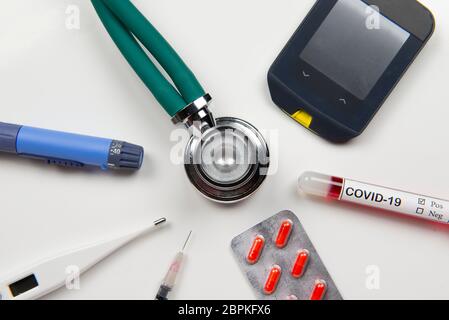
125 23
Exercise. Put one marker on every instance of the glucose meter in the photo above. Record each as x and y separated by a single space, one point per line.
344 60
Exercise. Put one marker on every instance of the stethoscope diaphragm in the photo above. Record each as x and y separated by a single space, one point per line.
229 161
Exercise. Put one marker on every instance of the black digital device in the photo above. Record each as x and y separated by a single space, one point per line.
344 60
24 285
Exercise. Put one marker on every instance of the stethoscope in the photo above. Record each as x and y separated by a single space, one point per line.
229 160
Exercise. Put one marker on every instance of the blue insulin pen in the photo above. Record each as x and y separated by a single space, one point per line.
68 149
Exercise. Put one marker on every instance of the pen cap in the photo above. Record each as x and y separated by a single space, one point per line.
124 155
8 137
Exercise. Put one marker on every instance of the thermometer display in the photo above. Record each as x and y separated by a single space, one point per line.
24 285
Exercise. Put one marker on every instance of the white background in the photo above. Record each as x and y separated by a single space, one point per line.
76 81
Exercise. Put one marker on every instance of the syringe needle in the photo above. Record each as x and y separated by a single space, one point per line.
187 240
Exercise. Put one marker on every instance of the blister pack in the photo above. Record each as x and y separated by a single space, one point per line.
281 262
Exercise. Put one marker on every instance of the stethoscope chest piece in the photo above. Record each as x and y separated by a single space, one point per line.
228 162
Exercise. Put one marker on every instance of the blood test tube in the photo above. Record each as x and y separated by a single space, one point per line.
319 290
272 280
361 193
300 264
284 233
255 250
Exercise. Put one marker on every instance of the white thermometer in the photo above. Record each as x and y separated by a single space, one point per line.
52 273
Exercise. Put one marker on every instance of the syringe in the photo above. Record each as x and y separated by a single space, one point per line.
412 204
170 278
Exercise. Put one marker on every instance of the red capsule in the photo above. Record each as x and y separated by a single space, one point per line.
256 249
319 290
301 263
284 233
272 280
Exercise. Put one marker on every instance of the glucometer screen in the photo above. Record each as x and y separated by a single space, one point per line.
354 46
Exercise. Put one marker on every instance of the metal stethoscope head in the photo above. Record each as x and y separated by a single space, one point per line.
226 159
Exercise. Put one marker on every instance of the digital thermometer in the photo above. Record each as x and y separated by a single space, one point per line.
51 274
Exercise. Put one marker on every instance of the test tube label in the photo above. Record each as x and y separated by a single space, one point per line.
395 200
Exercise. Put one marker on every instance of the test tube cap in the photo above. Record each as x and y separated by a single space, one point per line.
315 184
